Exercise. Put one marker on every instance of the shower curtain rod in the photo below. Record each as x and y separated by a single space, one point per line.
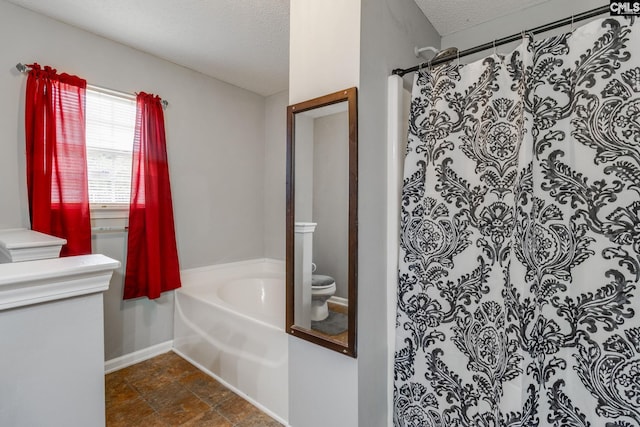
24 69
509 39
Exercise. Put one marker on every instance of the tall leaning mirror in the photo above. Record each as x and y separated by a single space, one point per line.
322 201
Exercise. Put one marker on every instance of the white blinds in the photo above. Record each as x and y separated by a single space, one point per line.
110 130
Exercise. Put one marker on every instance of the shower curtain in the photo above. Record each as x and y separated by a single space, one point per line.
518 299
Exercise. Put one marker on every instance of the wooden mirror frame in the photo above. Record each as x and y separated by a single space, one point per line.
350 96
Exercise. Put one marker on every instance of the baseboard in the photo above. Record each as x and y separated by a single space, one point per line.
137 356
339 301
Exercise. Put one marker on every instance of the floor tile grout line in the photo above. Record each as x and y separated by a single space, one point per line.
176 379
159 367
173 380
142 397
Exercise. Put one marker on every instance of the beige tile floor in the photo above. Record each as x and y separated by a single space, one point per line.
169 391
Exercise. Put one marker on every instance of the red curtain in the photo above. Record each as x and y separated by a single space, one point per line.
56 158
152 256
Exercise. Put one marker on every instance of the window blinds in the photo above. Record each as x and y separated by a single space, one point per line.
110 123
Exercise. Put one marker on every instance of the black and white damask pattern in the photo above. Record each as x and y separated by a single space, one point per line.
518 299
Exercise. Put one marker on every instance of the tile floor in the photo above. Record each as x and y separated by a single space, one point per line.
169 391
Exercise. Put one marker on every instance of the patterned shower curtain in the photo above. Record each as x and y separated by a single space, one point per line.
518 295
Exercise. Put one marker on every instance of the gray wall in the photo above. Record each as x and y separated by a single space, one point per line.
303 172
390 30
274 175
130 325
52 354
215 137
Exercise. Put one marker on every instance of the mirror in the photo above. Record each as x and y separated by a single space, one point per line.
322 201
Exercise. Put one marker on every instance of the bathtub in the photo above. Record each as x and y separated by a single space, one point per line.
229 321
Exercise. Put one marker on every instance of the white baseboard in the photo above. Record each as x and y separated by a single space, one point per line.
137 356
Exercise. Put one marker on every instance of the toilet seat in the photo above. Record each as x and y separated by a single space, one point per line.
320 282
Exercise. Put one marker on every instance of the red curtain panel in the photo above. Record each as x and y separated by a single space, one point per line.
56 157
152 256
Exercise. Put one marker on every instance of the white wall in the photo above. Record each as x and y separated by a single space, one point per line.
390 30
216 150
324 47
324 51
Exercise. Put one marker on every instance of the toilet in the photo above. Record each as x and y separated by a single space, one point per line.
322 288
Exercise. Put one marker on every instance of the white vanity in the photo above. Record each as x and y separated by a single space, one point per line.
51 333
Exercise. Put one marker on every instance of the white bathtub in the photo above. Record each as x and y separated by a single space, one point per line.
229 321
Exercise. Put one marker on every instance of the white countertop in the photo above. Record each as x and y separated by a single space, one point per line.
33 282
21 244
23 238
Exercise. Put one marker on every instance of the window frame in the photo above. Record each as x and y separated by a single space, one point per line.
110 211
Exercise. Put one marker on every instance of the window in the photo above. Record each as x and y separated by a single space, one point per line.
110 121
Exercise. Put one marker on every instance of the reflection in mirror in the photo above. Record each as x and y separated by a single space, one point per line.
322 217
321 221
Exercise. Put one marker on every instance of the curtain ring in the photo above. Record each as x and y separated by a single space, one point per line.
458 58
421 67
495 51
571 28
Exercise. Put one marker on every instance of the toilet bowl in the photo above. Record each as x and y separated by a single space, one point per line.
322 288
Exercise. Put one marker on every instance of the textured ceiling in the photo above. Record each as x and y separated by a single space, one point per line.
456 15
242 42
